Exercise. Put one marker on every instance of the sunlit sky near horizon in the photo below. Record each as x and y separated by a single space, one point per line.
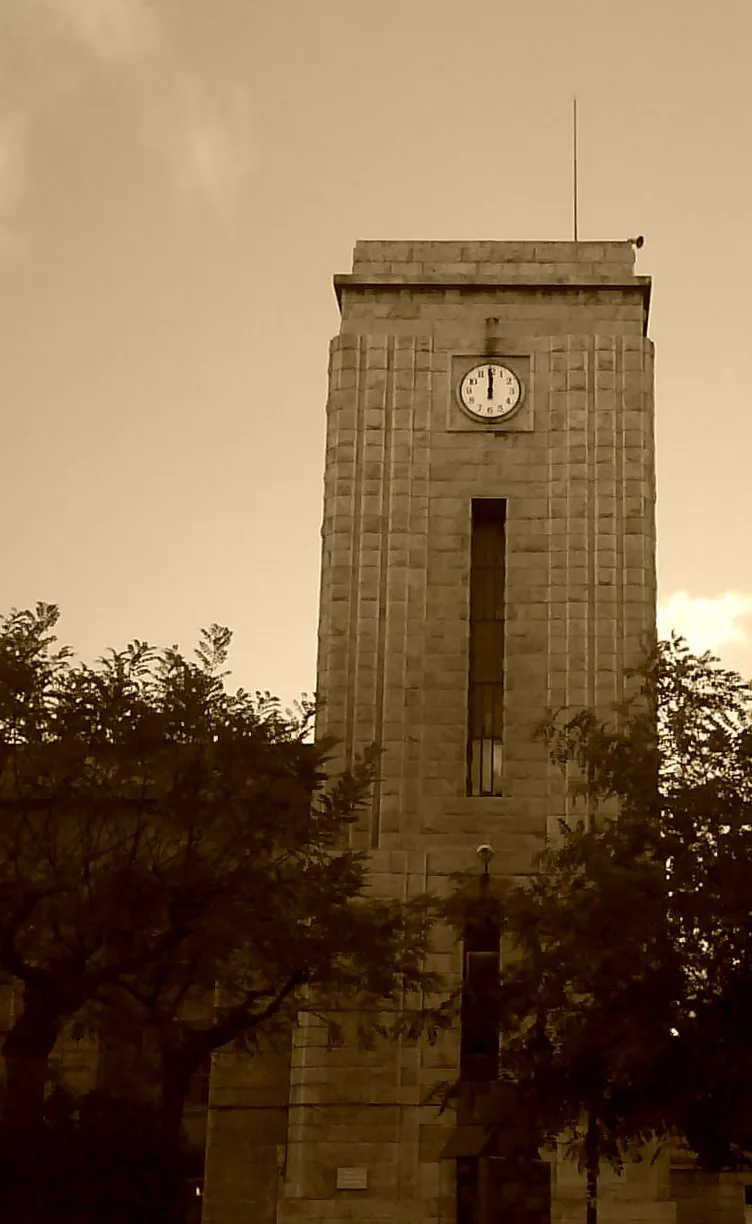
180 179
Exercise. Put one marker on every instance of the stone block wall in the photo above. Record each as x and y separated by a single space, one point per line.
708 1198
546 262
246 1134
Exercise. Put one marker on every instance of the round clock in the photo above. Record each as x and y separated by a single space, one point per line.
490 392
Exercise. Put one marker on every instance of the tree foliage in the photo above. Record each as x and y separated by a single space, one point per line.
160 835
626 993
678 763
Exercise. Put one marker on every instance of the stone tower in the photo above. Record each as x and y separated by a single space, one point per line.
488 552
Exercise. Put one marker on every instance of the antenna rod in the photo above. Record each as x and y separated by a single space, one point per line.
574 161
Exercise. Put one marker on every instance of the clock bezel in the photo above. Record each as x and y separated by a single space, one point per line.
501 417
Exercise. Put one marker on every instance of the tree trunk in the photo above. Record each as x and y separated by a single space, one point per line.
26 1054
178 1067
591 1166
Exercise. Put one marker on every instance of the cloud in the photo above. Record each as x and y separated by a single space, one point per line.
12 167
213 156
201 134
109 29
707 623
13 177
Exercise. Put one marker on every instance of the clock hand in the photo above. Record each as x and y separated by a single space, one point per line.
490 382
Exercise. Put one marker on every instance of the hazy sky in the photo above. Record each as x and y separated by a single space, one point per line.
179 180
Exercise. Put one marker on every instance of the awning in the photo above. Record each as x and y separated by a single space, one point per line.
472 1139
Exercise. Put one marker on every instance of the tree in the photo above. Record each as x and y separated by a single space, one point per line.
586 996
679 759
623 1006
159 835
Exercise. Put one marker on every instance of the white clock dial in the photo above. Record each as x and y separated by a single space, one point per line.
490 392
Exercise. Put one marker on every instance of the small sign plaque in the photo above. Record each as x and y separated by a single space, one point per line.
352 1179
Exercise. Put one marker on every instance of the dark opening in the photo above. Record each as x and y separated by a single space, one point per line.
198 1088
479 1039
468 1207
479 1034
486 679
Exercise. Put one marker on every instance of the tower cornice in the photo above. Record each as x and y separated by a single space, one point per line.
352 282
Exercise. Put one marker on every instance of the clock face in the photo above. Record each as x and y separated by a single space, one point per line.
490 392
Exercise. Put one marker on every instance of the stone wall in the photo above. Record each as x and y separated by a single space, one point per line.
708 1198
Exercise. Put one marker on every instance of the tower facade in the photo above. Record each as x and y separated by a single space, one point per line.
488 553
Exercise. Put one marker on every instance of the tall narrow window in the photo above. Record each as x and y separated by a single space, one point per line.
479 1044
486 687
479 1022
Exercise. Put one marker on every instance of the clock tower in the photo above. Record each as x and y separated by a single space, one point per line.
488 553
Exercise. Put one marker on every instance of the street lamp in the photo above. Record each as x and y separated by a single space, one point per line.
485 854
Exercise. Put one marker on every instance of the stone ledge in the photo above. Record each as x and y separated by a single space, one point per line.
476 280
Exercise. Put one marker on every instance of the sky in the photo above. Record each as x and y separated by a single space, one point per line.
179 181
